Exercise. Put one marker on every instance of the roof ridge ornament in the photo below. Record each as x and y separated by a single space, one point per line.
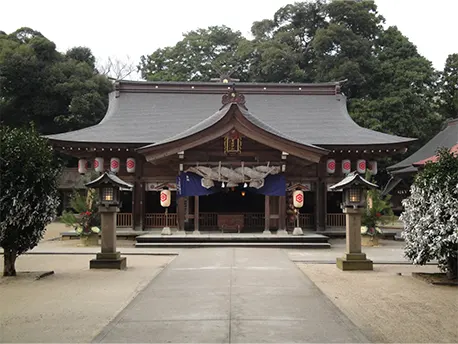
234 97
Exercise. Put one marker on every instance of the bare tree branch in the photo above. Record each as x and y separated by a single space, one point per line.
116 68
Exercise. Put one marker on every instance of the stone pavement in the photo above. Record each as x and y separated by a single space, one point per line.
231 295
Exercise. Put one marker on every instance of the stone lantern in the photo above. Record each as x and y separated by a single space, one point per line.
108 186
354 191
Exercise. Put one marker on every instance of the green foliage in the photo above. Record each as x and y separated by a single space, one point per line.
448 103
84 217
29 197
378 211
390 87
197 56
431 215
58 92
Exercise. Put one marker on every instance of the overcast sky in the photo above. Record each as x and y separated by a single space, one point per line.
134 28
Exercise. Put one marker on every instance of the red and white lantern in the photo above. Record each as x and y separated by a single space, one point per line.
82 166
130 165
165 198
361 166
298 199
346 166
114 165
331 166
372 167
98 164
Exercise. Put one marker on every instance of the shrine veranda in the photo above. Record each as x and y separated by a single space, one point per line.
231 154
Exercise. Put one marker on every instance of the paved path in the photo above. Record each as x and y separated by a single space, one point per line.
231 295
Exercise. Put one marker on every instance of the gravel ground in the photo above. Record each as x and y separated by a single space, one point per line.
54 229
389 308
72 305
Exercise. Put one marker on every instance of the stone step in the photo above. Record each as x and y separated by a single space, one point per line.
302 245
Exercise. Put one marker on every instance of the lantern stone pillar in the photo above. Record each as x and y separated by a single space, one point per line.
354 188
354 259
108 258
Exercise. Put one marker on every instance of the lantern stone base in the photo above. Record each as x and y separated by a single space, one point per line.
166 231
282 232
108 261
298 231
354 261
267 232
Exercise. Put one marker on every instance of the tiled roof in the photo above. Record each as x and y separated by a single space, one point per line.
140 113
447 138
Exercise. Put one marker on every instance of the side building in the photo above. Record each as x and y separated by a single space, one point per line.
230 153
403 172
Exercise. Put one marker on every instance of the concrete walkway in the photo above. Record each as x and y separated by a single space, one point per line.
231 295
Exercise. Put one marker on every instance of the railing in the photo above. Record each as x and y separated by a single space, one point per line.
306 220
335 220
254 220
124 220
208 220
157 220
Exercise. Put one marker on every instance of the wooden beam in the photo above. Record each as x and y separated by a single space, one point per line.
234 163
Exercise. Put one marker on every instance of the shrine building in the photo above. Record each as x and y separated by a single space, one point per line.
231 154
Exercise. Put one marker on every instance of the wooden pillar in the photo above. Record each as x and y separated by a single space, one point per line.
138 206
196 214
181 214
320 192
282 214
267 214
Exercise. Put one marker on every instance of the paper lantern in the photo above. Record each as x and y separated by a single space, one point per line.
98 164
165 198
82 166
298 199
114 165
346 166
372 167
130 165
361 166
331 166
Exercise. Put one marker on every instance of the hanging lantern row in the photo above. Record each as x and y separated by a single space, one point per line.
361 166
115 165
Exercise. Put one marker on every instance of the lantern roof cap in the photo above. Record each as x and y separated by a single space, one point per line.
351 179
110 178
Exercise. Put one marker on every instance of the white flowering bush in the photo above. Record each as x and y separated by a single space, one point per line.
28 197
430 215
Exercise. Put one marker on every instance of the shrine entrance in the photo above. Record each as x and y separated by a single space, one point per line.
233 209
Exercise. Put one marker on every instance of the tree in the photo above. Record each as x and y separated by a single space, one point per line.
400 99
448 93
431 215
117 69
58 92
29 197
197 56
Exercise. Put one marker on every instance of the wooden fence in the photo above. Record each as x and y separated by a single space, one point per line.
124 220
158 220
335 220
210 220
